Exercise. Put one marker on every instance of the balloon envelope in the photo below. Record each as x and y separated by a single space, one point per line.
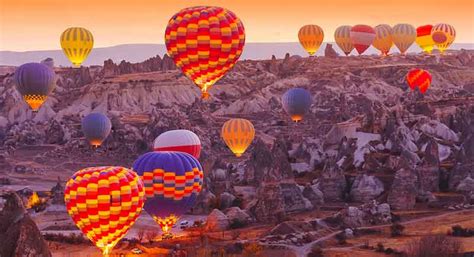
77 44
404 35
34 81
296 103
180 140
383 38
362 37
96 127
419 78
172 182
424 39
104 202
311 37
205 42
443 35
342 36
238 134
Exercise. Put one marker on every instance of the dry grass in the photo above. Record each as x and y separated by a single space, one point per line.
434 245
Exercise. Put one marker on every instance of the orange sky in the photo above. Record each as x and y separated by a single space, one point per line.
37 24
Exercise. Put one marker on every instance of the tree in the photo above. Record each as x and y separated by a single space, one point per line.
140 235
396 229
151 235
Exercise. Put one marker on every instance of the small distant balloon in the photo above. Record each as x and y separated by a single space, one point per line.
443 35
424 39
404 35
383 38
180 140
296 102
238 134
77 43
342 36
419 78
96 127
34 81
362 36
311 37
104 203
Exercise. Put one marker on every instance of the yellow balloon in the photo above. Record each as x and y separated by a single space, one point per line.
238 134
342 35
443 35
77 43
403 35
311 37
424 38
383 38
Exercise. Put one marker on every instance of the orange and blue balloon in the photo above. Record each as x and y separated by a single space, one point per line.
34 81
96 127
296 102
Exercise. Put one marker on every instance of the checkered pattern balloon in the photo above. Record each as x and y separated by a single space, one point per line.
104 202
172 182
205 42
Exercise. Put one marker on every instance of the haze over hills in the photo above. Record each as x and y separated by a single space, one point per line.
141 52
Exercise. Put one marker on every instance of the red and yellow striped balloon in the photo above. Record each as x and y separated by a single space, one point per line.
424 38
205 42
443 35
104 202
419 78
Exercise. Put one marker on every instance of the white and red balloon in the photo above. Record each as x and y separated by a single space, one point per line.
179 140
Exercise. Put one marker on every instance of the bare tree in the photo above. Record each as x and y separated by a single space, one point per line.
151 235
140 235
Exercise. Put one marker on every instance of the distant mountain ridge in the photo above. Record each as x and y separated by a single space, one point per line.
140 52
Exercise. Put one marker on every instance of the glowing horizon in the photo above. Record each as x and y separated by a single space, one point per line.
121 22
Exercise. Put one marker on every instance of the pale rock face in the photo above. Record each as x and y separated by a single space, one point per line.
235 213
402 194
365 188
217 221
440 130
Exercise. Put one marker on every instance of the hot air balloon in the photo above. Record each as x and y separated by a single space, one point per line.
34 81
383 38
96 127
104 202
238 134
172 182
424 38
443 35
311 37
403 36
77 44
419 78
342 36
362 37
180 140
205 42
296 103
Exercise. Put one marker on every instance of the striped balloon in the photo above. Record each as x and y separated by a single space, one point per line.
77 44
180 140
104 202
96 127
443 35
296 103
383 38
342 36
311 37
172 182
34 81
238 134
404 35
362 36
419 78
205 42
424 38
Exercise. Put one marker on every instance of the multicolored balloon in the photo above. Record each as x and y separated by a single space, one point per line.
205 42
96 127
419 78
424 39
443 35
403 35
172 182
362 36
77 44
34 81
180 140
104 202
342 36
311 37
238 134
383 38
296 103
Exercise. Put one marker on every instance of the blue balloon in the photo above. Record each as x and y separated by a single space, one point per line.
34 81
296 103
172 182
96 127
